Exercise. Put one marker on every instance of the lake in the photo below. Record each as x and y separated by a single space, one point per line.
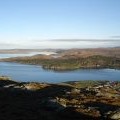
24 73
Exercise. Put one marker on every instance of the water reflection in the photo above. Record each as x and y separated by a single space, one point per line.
23 72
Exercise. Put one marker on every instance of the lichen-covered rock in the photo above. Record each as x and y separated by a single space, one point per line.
115 115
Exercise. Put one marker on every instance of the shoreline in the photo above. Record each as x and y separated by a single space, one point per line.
60 64
73 59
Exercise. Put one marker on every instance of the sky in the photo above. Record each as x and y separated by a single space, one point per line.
59 23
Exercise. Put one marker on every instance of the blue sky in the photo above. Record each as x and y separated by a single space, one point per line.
34 23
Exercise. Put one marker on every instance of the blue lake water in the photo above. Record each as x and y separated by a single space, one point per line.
22 72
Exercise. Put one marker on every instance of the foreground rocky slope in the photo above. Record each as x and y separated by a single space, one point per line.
88 100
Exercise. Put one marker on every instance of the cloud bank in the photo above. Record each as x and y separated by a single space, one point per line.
61 44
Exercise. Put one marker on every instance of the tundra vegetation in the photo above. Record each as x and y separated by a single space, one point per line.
88 100
62 63
74 59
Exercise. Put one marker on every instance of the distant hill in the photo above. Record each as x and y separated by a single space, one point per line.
74 59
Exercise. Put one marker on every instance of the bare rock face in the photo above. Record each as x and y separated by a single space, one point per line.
4 78
115 115
35 86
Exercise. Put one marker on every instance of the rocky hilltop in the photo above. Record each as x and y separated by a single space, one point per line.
88 100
